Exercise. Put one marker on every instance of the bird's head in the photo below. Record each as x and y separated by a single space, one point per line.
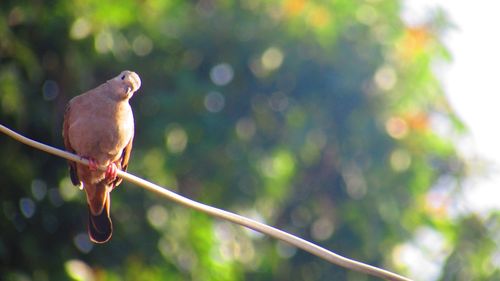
126 84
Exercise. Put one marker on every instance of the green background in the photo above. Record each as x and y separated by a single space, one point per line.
322 118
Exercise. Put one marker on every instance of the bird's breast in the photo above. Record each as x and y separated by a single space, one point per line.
102 134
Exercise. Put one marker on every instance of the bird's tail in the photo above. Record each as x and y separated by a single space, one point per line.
100 227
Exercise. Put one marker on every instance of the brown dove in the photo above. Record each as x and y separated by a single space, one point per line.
99 126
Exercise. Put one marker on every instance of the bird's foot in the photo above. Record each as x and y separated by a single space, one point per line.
111 172
93 166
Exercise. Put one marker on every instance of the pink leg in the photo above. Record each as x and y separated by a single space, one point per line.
111 172
92 164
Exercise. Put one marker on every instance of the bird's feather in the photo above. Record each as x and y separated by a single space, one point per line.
99 125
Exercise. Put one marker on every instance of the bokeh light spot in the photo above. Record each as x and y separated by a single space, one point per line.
39 189
221 74
80 29
385 78
396 127
169 247
278 101
104 42
11 100
214 101
322 229
157 216
284 250
176 139
400 160
83 243
50 90
281 165
78 270
142 45
272 58
27 207
355 181
67 190
16 16
245 128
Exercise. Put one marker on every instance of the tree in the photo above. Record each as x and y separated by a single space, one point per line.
317 117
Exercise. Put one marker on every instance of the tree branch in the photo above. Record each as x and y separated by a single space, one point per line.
221 214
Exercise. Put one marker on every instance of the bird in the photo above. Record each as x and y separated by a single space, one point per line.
99 126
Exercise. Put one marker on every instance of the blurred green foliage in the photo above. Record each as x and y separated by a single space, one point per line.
318 117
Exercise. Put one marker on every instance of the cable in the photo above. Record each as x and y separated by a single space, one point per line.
222 214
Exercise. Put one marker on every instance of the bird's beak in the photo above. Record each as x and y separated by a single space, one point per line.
135 81
129 91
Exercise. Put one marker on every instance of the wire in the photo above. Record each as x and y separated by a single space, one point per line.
222 214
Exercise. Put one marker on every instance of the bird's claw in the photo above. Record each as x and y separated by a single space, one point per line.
111 172
93 166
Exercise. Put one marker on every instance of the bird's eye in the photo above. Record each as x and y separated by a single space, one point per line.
123 77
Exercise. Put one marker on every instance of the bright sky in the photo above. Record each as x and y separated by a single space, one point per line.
471 83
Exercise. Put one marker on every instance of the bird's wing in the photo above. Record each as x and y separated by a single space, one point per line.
72 165
125 157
